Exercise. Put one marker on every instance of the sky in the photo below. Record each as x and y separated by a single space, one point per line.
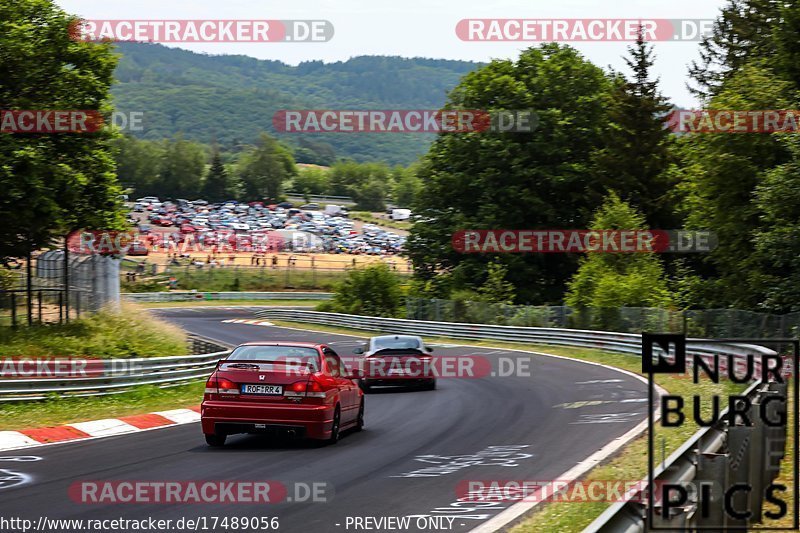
419 28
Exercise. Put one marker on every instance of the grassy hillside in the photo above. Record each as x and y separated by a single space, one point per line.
232 98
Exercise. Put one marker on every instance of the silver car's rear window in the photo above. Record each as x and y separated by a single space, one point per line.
396 343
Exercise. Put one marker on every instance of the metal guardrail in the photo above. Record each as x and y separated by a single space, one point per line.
119 375
628 343
188 296
719 454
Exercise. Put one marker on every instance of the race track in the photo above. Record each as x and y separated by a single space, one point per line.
374 473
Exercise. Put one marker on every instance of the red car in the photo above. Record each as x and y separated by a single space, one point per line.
297 389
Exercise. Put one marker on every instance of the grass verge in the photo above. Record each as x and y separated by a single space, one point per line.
129 332
59 410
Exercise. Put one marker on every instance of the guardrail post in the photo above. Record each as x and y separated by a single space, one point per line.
774 445
756 460
739 440
712 469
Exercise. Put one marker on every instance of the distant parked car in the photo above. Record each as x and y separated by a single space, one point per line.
138 248
286 205
400 214
312 207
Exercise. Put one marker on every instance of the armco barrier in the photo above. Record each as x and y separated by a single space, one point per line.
615 342
188 296
719 454
122 374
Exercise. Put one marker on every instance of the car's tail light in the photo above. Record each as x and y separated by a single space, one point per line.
218 385
314 389
304 389
295 390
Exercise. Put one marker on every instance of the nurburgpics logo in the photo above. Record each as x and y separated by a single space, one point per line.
739 402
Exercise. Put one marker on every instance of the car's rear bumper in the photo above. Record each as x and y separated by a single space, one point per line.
312 421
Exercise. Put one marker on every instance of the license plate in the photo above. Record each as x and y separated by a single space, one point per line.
262 389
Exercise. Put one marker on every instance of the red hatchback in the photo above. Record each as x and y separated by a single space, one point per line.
291 388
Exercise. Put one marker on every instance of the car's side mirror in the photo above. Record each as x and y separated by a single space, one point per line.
358 350
428 349
355 373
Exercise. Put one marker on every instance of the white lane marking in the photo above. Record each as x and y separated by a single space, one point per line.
605 418
10 479
250 321
14 439
600 381
180 416
105 427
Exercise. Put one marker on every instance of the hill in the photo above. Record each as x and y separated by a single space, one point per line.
232 98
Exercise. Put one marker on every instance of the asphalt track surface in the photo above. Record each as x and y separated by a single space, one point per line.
374 473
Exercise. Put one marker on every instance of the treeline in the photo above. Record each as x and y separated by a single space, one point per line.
180 168
601 158
233 98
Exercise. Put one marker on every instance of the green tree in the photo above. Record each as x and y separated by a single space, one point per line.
311 180
543 179
406 186
613 280
138 163
373 291
181 170
743 31
496 288
52 184
217 186
636 154
719 175
777 240
348 177
266 168
371 196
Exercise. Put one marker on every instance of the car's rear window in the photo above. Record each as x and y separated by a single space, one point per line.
278 354
396 343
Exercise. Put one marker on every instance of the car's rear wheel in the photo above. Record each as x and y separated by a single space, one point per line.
431 385
334 438
215 440
360 419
